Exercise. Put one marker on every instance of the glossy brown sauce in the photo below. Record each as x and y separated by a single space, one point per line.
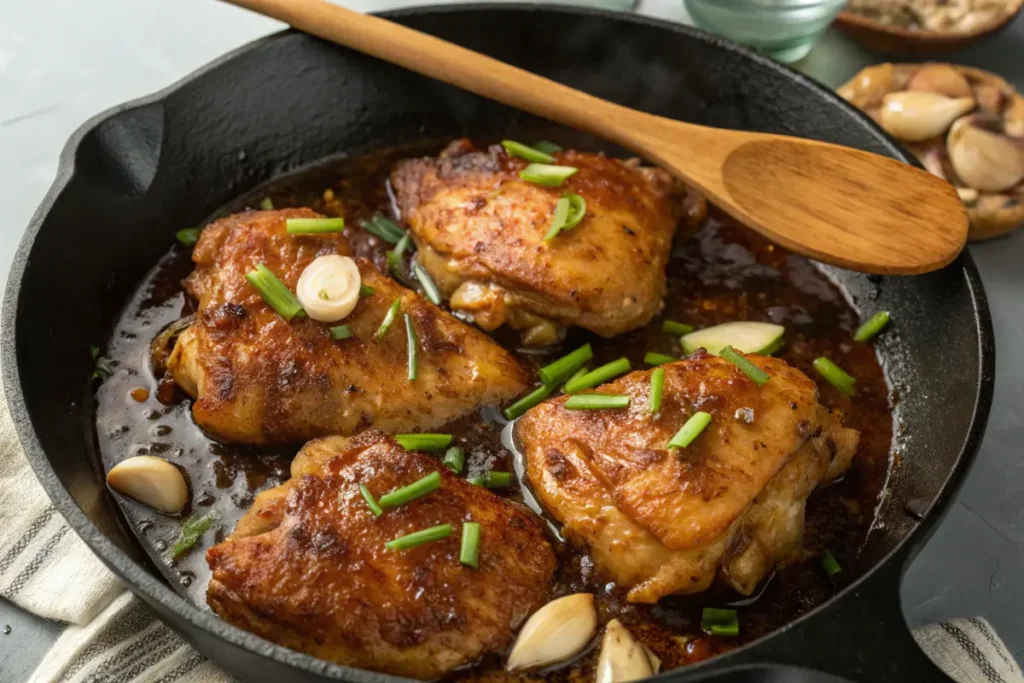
724 273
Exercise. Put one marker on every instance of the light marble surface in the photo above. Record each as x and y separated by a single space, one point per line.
62 61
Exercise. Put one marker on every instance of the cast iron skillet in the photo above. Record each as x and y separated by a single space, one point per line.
132 176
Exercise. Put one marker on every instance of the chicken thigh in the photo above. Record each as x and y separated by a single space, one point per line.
480 231
258 378
660 521
307 567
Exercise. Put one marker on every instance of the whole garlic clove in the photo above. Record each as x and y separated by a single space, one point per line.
151 481
554 633
869 86
623 657
916 115
940 78
982 156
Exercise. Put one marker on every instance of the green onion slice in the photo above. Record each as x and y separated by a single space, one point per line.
389 318
188 237
518 149
596 402
576 375
497 480
370 502
547 147
413 348
470 549
676 329
274 292
341 332
652 358
365 290
720 622
690 430
267 204
569 211
756 374
657 390
530 400
873 326
407 494
599 375
429 287
454 459
384 228
835 375
313 226
565 366
547 174
434 533
191 530
829 564
424 441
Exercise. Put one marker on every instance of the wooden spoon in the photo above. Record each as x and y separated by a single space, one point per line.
835 204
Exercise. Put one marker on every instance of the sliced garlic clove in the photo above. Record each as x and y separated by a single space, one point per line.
554 633
916 115
940 78
328 288
151 481
623 657
982 156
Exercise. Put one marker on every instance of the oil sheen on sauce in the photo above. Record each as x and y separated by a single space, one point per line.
723 273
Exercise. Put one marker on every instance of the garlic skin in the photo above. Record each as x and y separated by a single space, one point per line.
940 78
554 633
152 481
623 658
328 288
916 115
982 156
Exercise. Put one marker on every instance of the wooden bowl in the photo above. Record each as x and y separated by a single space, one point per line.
901 40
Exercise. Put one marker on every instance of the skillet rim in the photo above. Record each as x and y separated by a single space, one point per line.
153 589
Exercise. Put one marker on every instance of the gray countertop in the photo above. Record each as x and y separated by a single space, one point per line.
62 61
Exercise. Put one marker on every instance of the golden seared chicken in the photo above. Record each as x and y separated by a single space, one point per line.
307 567
480 231
660 521
258 378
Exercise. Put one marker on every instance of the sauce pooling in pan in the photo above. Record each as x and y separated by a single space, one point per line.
722 274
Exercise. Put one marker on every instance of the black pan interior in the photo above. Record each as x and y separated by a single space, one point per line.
132 177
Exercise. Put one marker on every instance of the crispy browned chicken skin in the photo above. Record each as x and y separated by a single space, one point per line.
661 521
480 231
306 567
258 378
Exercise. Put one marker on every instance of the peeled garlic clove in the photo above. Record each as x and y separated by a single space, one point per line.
328 288
932 162
151 481
869 86
554 633
967 195
940 78
982 156
623 658
916 115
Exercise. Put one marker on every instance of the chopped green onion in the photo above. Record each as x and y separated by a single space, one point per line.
267 204
365 290
394 257
389 318
407 494
434 533
547 174
576 375
104 367
476 481
429 287
530 400
384 228
518 149
424 441
547 147
341 332
676 329
313 226
403 245
829 564
370 502
565 366
690 430
274 292
652 358
188 236
873 326
497 480
657 390
454 459
756 374
599 375
835 375
469 551
596 402
191 530
720 622
569 211
413 348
